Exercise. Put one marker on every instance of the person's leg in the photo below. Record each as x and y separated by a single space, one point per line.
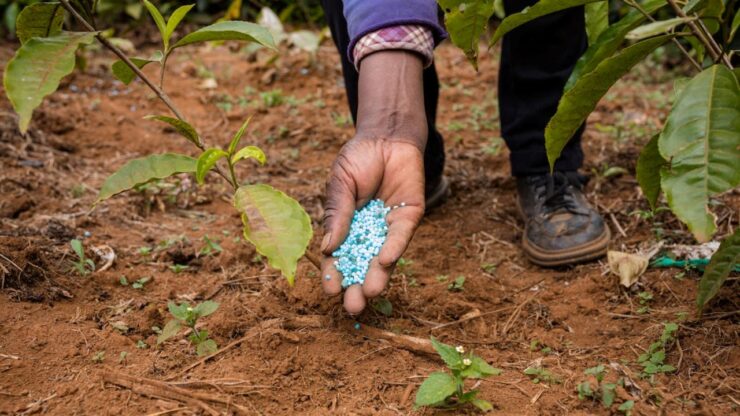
536 61
434 156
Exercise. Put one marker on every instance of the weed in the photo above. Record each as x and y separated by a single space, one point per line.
455 126
604 392
539 374
653 361
122 357
383 306
272 98
403 266
457 285
178 268
441 278
186 316
210 247
140 344
443 389
341 120
626 407
138 284
83 265
644 298
489 268
494 146
98 357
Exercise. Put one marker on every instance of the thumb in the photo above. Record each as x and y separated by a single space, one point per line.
340 206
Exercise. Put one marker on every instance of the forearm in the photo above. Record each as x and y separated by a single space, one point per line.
391 98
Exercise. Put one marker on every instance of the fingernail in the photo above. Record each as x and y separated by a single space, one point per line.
325 242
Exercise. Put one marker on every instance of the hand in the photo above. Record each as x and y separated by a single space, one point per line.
369 168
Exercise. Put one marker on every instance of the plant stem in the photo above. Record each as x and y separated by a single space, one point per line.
701 33
161 94
675 41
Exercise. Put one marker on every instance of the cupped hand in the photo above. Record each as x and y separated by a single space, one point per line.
368 168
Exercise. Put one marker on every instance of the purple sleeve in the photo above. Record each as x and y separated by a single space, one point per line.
365 16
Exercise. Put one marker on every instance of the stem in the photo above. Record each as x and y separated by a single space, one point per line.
161 94
234 181
675 41
701 33
161 71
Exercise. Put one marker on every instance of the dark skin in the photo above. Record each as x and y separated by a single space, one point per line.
383 160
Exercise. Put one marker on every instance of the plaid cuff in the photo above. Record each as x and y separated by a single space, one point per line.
414 38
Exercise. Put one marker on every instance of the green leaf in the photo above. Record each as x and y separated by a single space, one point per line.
722 263
648 171
656 28
482 405
39 20
10 16
276 224
36 69
735 25
435 389
253 152
626 406
609 41
207 161
701 139
142 170
479 368
597 19
608 393
178 311
578 102
169 331
159 21
206 308
658 357
182 127
383 306
238 137
448 353
124 73
175 20
584 390
541 8
230 30
206 347
466 21
77 247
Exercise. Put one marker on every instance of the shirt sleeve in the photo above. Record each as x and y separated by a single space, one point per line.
413 38
367 16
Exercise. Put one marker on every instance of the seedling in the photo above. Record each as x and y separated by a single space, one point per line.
140 344
447 390
83 265
122 357
98 357
626 407
383 306
604 392
186 316
138 284
272 98
540 374
644 299
178 268
489 268
441 278
653 361
457 285
210 247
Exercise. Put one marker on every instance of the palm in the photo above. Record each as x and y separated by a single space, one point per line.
366 169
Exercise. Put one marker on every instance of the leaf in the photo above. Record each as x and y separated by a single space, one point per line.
648 171
206 308
629 267
466 21
626 406
174 21
597 19
206 347
159 21
701 139
608 393
178 311
207 161
448 353
578 102
656 28
609 41
142 170
253 152
276 224
383 306
541 8
169 331
735 26
237 30
270 21
482 405
435 389
238 137
77 247
181 126
39 20
479 368
124 73
722 263
10 16
36 69
234 11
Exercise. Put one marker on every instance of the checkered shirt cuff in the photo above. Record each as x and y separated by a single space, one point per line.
414 38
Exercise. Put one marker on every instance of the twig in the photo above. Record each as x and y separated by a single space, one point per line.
166 412
515 314
616 224
703 36
407 342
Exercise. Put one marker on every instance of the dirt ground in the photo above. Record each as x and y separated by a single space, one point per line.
62 335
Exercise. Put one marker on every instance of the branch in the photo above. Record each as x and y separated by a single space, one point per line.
701 33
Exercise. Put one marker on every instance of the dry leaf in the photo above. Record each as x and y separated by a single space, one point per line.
629 267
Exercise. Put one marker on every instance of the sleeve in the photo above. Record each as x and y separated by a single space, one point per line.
366 16
413 38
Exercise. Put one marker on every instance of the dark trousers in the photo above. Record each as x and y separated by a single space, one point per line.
536 61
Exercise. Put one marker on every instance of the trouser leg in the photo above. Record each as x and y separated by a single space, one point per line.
434 157
536 60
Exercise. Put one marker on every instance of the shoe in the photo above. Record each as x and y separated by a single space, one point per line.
436 192
561 226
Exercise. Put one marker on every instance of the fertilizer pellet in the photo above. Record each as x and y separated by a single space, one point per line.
366 236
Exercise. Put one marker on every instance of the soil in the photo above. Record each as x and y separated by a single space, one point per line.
62 335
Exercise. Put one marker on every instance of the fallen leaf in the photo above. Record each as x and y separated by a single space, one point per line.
106 253
629 267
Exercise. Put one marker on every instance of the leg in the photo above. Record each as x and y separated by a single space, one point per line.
536 61
434 157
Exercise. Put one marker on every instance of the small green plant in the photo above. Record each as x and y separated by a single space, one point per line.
644 298
341 119
441 278
489 268
538 345
442 389
603 392
178 268
83 265
140 344
122 357
186 316
383 305
653 360
98 357
626 407
137 284
540 374
457 285
210 247
272 98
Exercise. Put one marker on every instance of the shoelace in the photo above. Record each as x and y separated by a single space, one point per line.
556 190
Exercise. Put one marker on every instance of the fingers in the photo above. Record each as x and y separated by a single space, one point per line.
354 300
340 206
331 279
402 223
376 279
